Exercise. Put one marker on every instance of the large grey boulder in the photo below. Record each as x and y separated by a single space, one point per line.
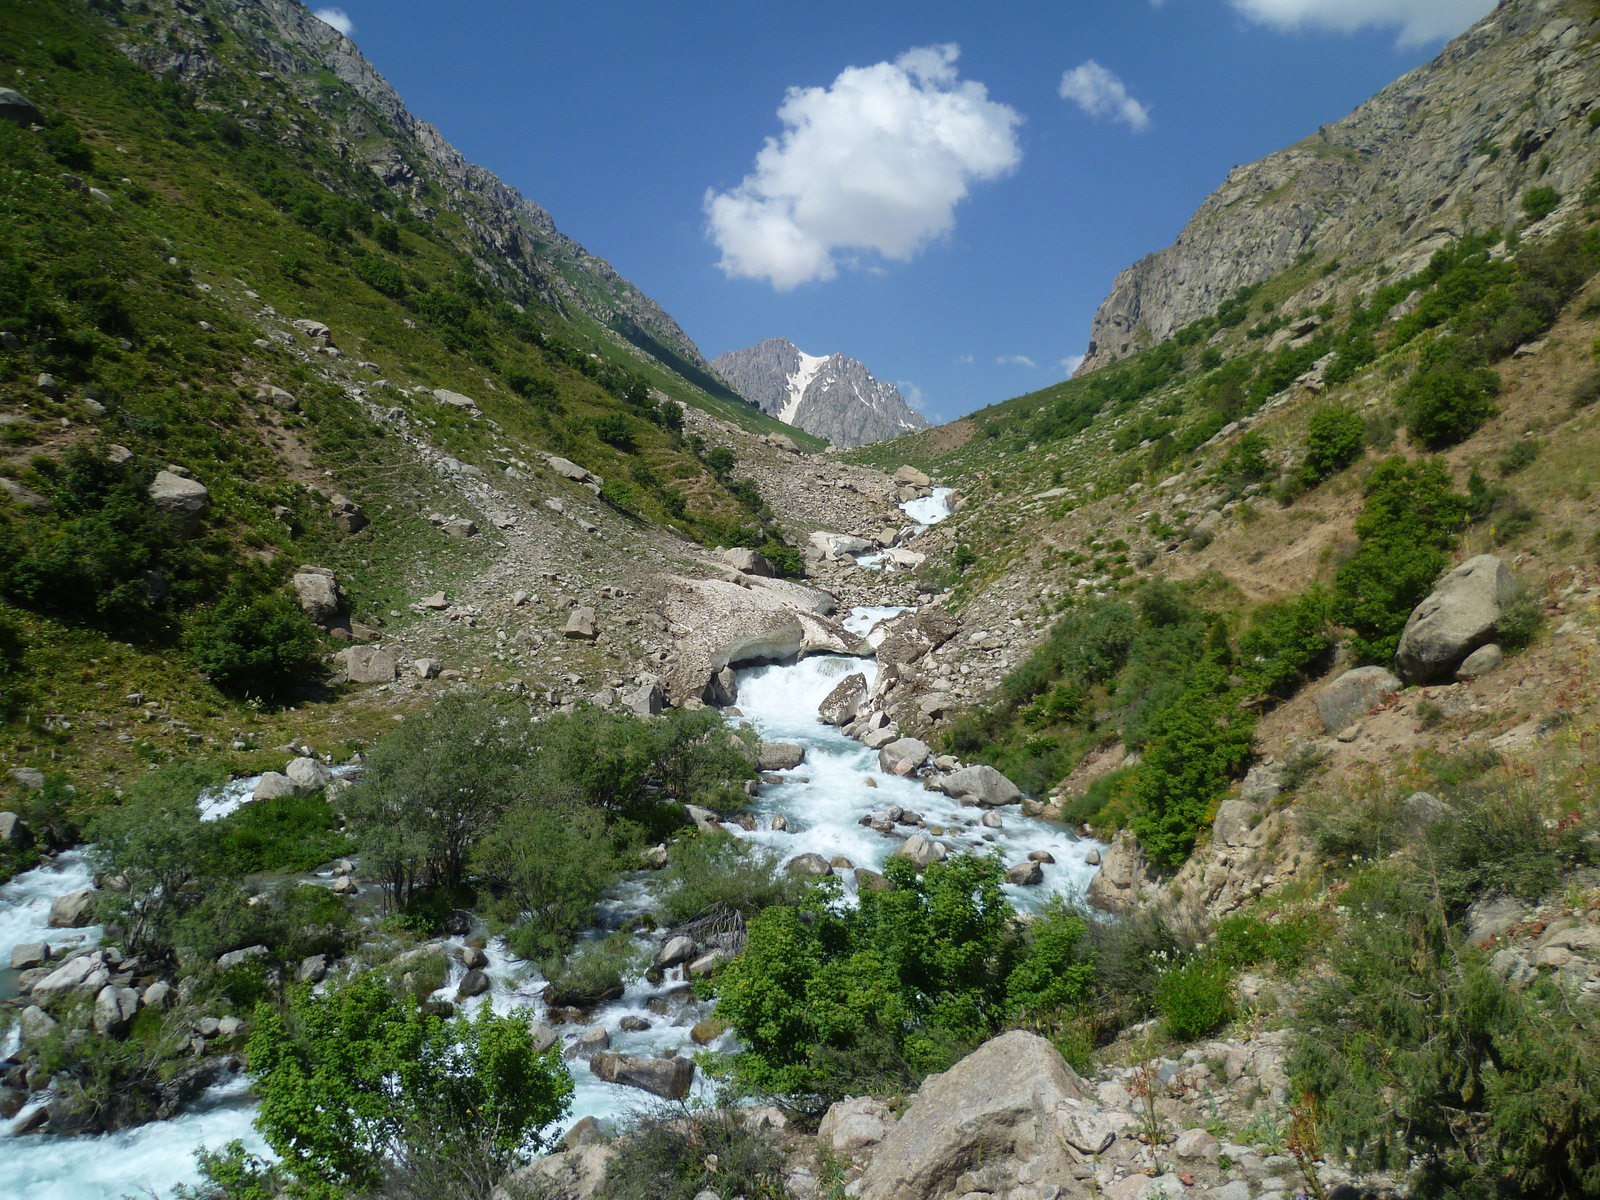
903 756
982 784
74 910
678 950
27 955
1480 662
35 1024
748 562
922 850
647 700
1459 616
18 109
84 973
114 1010
366 664
14 830
318 593
274 785
668 1078
236 958
180 498
808 864
779 756
999 1102
30 779
906 638
308 775
855 1124
841 705
910 475
833 545
454 399
580 625
1353 695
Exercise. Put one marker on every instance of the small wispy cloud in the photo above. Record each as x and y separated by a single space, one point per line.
1071 363
963 360
337 18
914 396
1418 21
1015 360
1100 93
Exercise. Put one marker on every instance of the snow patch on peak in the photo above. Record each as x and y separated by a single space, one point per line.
797 383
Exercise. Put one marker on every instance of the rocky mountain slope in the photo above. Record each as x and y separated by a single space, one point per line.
366 123
832 397
1453 147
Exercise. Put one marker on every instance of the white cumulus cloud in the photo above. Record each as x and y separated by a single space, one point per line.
1100 93
873 164
1418 21
336 17
1015 360
1071 363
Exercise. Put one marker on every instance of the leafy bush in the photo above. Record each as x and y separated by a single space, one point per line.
594 973
1194 999
356 1085
716 871
829 1000
381 275
255 646
289 833
1411 516
1540 202
614 429
1245 941
1334 440
677 1155
1284 643
1520 456
547 866
1448 403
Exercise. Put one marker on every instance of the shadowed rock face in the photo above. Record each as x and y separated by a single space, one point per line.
835 398
1399 177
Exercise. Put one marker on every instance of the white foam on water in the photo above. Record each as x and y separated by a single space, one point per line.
218 802
148 1159
864 618
25 911
929 510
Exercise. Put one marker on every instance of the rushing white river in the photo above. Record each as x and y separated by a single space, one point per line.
822 801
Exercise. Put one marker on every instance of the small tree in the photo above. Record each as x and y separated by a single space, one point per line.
1334 440
255 646
357 1085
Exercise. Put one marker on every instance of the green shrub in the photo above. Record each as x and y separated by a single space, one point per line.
718 872
1245 941
255 646
614 429
1540 202
1521 455
288 833
594 973
1448 403
381 275
356 1085
1194 999
673 1155
828 1000
1410 517
1334 440
547 865
1284 643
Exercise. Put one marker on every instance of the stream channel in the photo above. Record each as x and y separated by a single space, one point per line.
821 800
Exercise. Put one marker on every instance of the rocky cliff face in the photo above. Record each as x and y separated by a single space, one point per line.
832 397
517 245
1448 148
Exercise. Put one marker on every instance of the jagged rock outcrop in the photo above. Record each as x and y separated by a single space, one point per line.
1448 148
518 244
833 397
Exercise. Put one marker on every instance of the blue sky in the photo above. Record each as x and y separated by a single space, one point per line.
951 193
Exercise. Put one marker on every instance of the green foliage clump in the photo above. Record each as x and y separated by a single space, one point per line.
1246 941
1195 999
829 1000
1448 401
288 833
1539 202
1286 643
1334 439
1410 518
593 974
717 872
1422 1056
673 1155
546 866
255 646
358 1087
